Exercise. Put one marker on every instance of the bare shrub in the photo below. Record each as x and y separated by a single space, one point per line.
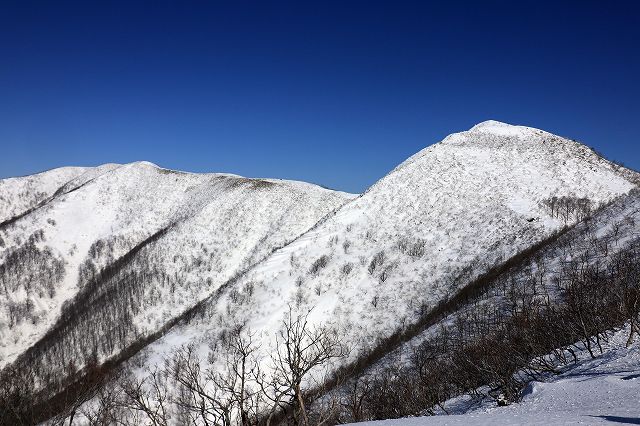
346 269
318 264
376 262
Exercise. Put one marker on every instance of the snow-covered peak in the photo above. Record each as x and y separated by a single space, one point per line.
499 130
498 127
519 145
145 163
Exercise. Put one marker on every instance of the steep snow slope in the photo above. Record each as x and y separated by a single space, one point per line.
594 242
197 229
605 390
435 222
17 195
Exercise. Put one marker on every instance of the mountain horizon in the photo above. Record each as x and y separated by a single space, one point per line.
485 123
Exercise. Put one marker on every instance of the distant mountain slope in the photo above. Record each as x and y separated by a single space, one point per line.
192 231
17 195
430 226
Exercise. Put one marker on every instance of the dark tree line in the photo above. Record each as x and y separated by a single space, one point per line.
31 269
96 324
569 209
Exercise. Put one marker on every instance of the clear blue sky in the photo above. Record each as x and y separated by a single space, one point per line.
336 93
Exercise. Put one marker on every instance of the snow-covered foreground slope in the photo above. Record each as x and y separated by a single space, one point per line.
192 232
434 223
598 391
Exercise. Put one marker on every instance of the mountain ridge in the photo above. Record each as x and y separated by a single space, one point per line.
284 288
121 253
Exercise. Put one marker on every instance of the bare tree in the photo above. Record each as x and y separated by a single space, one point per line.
107 408
222 393
148 396
358 390
16 396
239 364
301 347
198 396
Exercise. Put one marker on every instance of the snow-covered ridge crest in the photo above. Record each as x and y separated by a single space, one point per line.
522 143
500 128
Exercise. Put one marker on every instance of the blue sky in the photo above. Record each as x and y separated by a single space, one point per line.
336 93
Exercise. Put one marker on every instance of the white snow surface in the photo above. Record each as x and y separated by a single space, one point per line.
221 225
601 391
470 201
618 224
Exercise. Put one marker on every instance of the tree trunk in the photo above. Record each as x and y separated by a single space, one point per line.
305 421
634 330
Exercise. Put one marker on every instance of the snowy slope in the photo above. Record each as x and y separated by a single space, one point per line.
534 281
611 230
212 226
435 222
598 391
17 195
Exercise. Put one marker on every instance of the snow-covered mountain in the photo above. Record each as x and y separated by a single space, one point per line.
101 263
441 218
197 231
